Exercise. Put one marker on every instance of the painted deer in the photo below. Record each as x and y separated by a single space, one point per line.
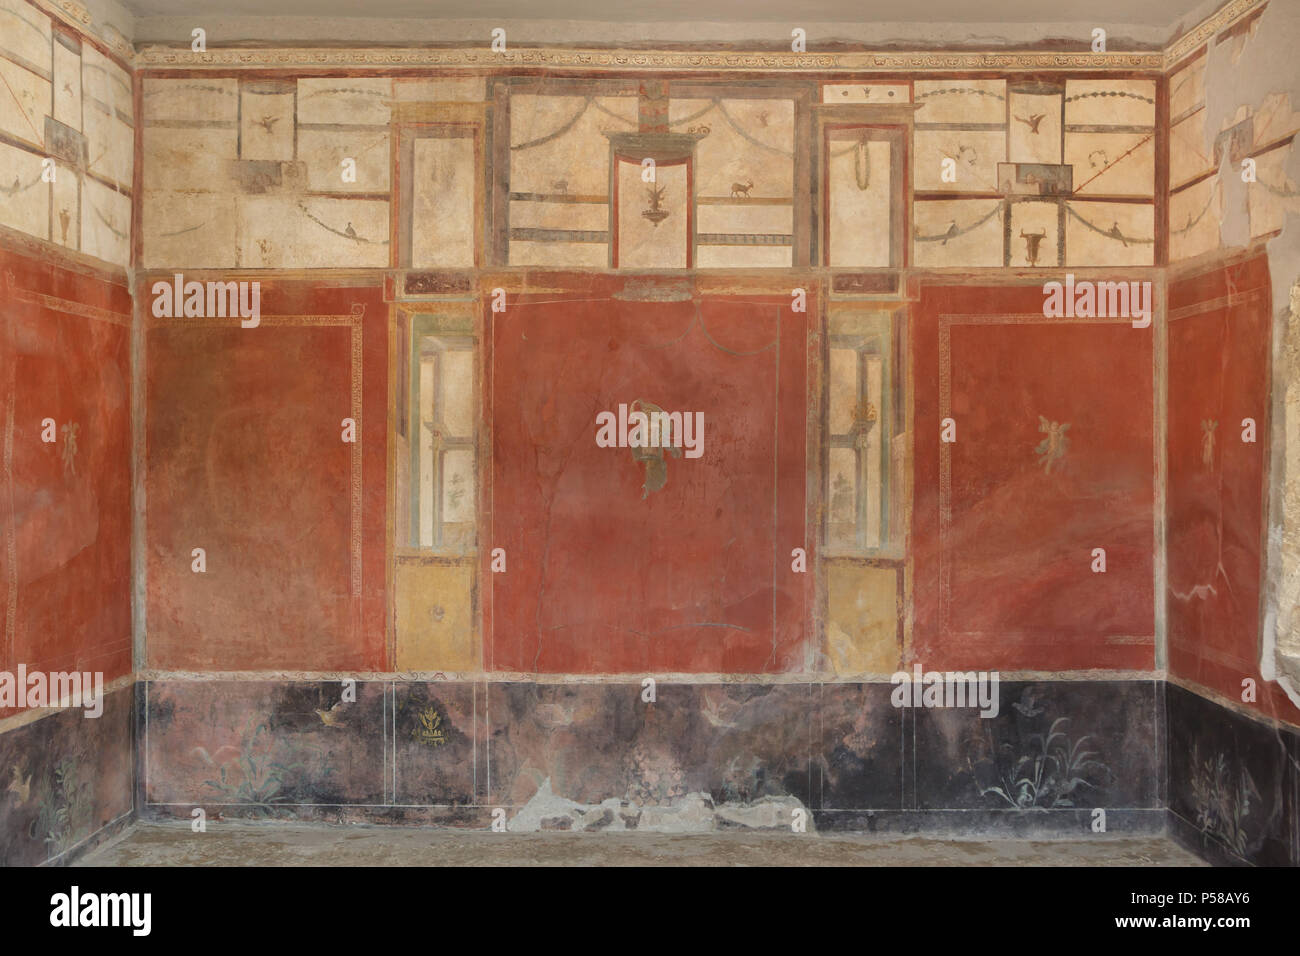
741 189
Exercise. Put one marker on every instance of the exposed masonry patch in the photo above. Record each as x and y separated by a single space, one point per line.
692 813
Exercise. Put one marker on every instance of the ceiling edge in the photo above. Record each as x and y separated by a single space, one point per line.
154 56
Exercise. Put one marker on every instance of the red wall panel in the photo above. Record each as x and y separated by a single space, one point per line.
1003 534
693 577
65 561
245 459
1220 343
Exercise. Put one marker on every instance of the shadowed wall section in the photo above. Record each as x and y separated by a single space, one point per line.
1233 746
1220 339
67 151
65 563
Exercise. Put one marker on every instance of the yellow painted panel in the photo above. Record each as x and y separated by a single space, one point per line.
862 619
435 621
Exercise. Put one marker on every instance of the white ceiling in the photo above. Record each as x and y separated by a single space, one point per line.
985 24
1158 13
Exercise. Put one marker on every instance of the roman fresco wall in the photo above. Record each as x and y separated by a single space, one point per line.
474 268
69 140
66 148
386 570
1230 579
1231 738
1219 339
1231 153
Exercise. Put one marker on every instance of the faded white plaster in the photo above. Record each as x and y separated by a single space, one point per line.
692 813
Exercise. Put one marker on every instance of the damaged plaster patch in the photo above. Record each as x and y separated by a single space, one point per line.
1281 659
692 813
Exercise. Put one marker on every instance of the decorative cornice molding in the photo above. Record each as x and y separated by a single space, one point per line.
118 43
78 17
486 60
155 57
1216 22
72 11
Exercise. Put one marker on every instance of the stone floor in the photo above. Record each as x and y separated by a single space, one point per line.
315 845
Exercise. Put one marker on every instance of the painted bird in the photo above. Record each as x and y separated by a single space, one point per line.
713 715
952 231
350 232
1033 121
329 717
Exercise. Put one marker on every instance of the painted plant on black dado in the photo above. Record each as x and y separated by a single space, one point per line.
1029 758
1223 793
